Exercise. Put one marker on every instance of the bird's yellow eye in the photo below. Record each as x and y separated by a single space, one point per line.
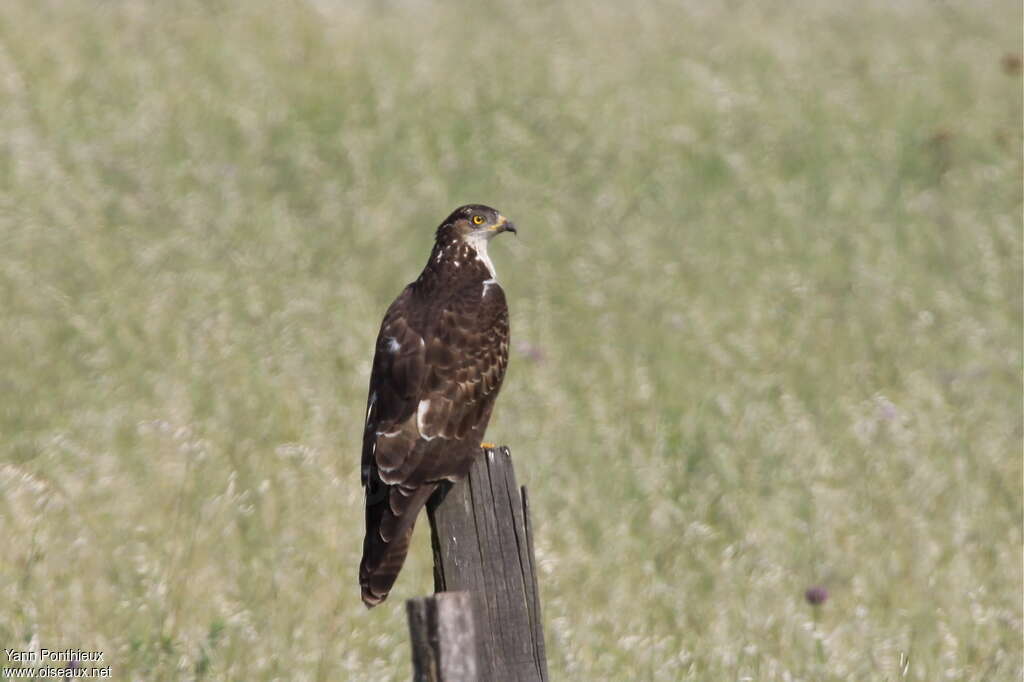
478 220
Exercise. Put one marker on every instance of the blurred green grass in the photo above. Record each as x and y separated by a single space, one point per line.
766 308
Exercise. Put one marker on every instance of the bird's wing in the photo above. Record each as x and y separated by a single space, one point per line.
395 380
466 356
433 386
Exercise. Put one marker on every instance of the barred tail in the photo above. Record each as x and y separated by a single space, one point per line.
391 512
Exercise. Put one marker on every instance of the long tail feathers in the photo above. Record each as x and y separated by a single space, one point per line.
390 517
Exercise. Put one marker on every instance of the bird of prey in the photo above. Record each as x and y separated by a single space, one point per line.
437 368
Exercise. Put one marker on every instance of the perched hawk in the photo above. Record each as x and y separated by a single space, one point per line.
440 358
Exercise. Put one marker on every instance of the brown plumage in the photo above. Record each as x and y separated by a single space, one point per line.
437 368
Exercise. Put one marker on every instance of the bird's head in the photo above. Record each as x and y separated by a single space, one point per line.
476 223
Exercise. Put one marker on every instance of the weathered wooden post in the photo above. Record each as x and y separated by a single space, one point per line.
483 545
443 638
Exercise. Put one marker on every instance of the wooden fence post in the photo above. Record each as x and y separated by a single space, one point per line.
443 639
483 544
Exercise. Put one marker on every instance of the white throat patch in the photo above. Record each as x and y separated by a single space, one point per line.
478 242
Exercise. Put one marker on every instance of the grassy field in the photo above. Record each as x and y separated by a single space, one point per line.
766 308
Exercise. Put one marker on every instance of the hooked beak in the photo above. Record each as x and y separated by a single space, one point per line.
505 225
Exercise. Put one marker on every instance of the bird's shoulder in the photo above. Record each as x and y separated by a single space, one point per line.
470 302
